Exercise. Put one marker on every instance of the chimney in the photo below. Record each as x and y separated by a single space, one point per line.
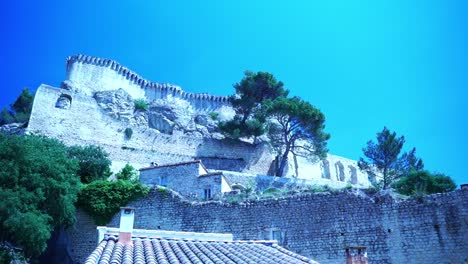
127 215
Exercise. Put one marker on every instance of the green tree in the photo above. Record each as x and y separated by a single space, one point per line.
423 182
6 117
20 109
38 189
102 199
251 92
127 173
297 127
93 161
384 159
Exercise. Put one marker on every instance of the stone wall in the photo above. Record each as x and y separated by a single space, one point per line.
95 106
428 230
92 74
83 123
77 119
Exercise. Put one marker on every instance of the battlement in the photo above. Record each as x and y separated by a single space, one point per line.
92 74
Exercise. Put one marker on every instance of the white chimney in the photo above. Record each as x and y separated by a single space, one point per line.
127 216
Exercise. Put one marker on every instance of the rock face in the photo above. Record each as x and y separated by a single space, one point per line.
164 115
13 128
96 105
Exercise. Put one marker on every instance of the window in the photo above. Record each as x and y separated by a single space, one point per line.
207 193
163 181
275 234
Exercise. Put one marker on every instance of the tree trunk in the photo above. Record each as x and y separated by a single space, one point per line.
385 179
283 162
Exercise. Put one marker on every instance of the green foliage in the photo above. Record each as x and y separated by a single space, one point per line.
272 192
418 183
20 109
251 92
6 255
348 187
162 189
6 117
236 129
93 162
319 189
236 199
102 199
38 189
140 104
298 128
384 158
214 115
128 133
127 173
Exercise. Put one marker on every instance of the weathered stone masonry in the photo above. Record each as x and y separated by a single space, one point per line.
428 230
95 105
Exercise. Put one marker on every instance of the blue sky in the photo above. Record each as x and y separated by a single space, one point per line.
365 64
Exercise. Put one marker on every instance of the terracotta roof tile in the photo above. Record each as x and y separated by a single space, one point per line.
168 251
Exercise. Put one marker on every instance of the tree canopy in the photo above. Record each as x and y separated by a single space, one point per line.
93 162
20 110
423 182
38 189
297 127
294 125
247 101
383 158
127 173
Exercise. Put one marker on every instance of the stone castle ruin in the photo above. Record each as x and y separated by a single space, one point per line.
96 105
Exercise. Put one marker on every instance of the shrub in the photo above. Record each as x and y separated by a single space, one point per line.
348 187
128 133
162 189
127 173
103 199
141 104
235 199
418 183
93 161
214 115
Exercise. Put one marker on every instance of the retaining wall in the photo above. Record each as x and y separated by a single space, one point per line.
428 230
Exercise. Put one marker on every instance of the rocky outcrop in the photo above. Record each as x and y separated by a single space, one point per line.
14 128
164 115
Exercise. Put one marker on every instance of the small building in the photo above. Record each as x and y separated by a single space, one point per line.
126 245
190 179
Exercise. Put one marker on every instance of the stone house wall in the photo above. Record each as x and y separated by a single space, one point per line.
190 179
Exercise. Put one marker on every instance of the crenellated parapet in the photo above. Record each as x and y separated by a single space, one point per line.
91 74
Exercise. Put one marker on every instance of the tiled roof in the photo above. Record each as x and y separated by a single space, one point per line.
158 250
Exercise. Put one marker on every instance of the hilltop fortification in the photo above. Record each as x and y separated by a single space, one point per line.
96 105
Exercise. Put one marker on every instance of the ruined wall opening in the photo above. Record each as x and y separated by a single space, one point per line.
64 101
353 173
325 166
340 176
